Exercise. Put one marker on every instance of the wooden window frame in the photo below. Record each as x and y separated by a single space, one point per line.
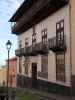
60 64
26 42
20 44
44 63
20 64
60 32
26 65
44 36
33 39
44 68
26 69
60 67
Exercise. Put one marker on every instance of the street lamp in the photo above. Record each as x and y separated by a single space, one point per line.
8 46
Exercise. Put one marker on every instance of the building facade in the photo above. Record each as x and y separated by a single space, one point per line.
3 74
12 71
45 54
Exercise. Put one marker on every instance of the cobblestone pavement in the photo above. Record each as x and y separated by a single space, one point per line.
57 97
52 96
46 96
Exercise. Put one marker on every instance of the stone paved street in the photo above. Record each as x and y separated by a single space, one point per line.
46 96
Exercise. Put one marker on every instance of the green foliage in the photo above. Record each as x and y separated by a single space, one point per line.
29 97
3 89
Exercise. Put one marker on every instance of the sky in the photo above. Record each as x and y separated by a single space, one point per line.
7 9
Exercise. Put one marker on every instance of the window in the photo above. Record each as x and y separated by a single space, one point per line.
44 63
20 64
44 36
20 58
34 39
60 32
26 68
20 44
26 42
26 65
44 67
60 67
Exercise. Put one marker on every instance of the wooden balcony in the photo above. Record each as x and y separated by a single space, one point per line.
39 48
57 46
33 13
19 52
23 51
52 44
27 51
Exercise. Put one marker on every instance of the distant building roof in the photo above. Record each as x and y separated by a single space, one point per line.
11 59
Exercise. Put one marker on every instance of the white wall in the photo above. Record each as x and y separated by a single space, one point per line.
50 24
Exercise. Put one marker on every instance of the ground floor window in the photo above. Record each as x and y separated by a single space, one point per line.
20 64
60 67
44 67
26 65
44 63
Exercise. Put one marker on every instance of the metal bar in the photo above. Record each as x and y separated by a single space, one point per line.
8 77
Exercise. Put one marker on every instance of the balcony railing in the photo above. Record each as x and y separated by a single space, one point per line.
19 52
28 51
43 75
24 51
40 48
57 45
32 50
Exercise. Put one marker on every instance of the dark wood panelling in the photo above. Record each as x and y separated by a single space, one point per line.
26 82
37 12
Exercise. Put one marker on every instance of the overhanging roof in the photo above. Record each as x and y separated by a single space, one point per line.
33 11
21 10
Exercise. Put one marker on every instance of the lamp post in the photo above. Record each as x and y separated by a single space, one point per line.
8 46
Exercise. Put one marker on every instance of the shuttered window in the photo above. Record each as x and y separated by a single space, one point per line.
60 67
44 36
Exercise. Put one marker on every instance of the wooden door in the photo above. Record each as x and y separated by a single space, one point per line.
34 75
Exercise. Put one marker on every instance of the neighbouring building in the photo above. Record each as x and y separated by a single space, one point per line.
3 74
12 71
46 44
